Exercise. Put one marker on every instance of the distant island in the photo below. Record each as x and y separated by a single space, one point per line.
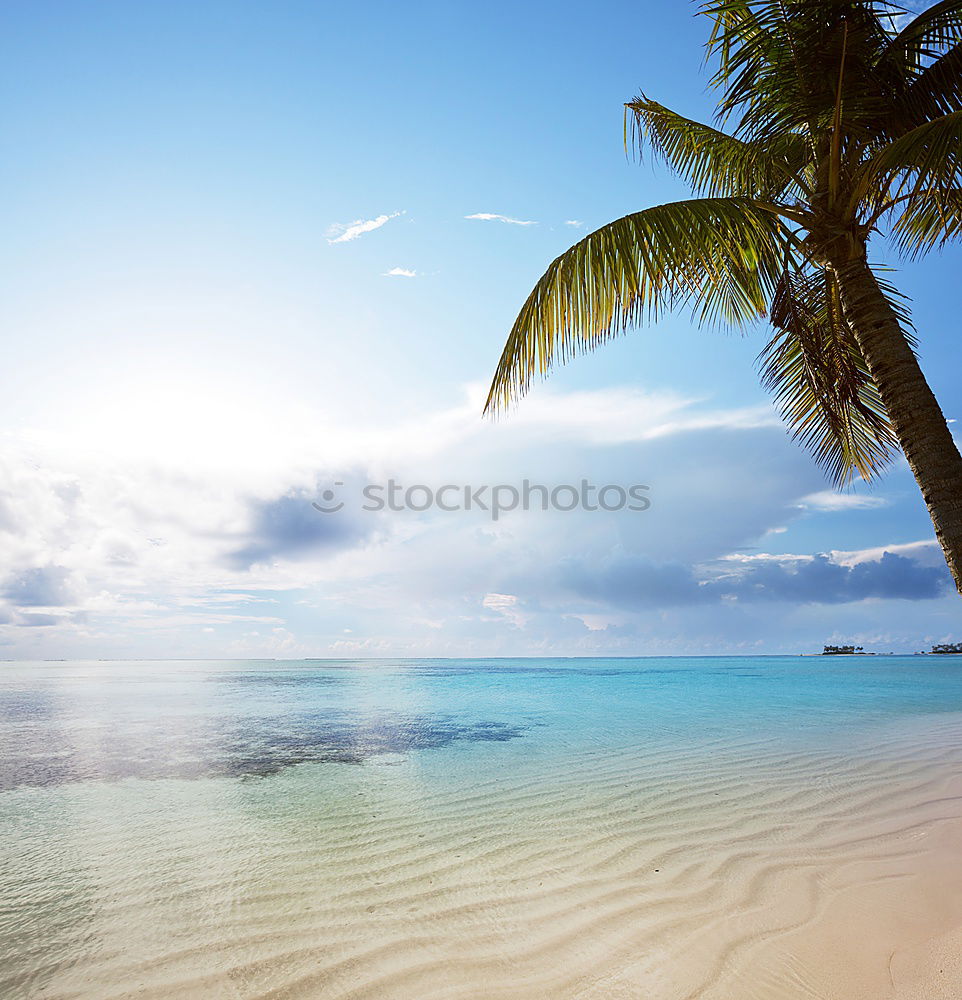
941 648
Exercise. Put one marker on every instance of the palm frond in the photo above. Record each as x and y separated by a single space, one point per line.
820 381
779 62
759 54
925 163
925 38
928 224
828 116
715 163
938 88
920 70
718 256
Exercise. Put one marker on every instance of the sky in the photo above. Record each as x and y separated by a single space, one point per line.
256 257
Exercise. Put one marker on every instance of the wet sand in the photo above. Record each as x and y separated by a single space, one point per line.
739 873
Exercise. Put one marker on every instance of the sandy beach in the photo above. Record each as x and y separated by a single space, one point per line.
720 868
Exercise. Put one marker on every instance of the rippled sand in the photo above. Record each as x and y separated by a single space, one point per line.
720 873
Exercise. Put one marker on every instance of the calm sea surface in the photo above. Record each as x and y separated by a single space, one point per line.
165 821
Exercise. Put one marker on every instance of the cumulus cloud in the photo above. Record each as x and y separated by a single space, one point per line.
821 579
925 552
818 579
400 272
494 217
139 559
344 232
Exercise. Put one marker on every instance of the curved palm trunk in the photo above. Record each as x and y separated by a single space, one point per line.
915 414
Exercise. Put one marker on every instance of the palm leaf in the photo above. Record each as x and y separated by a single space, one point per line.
712 161
924 163
925 38
779 61
919 70
838 119
758 53
928 224
821 382
938 88
720 256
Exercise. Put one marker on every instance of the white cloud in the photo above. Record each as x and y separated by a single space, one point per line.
145 543
598 623
574 222
493 217
400 272
748 558
344 232
829 500
622 415
507 605
926 553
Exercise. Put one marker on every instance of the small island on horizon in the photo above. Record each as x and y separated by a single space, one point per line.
939 649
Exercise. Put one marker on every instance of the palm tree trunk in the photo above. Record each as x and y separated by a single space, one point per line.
912 408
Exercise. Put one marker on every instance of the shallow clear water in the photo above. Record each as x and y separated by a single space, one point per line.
163 821
69 722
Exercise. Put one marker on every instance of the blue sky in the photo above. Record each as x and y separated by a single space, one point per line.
198 345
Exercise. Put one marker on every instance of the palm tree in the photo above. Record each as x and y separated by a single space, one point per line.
836 120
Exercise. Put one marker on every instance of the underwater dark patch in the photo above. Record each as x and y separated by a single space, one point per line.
306 679
262 747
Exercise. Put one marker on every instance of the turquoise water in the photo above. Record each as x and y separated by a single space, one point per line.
166 821
73 722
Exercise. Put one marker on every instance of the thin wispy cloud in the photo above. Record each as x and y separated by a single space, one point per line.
577 223
400 272
494 217
344 232
829 500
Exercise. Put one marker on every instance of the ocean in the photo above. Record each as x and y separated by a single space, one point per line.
652 827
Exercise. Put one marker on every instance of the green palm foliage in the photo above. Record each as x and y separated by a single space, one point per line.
835 120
